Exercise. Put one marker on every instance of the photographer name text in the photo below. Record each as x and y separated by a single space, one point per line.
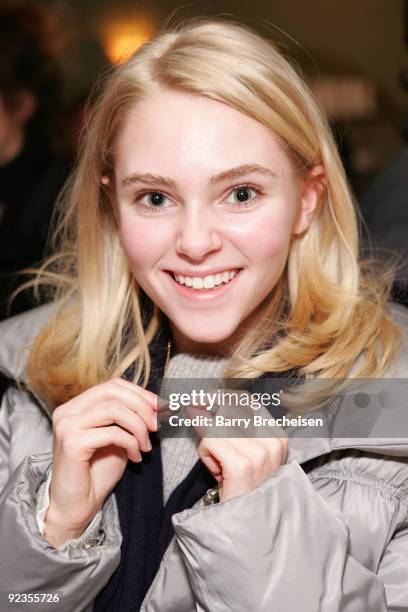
254 421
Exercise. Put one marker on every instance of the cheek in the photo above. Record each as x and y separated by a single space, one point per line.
267 240
141 242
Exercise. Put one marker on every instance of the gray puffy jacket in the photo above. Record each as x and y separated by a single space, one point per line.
329 536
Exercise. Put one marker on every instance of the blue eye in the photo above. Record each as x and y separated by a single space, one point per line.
242 192
243 195
155 198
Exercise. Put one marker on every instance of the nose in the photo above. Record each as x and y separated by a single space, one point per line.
199 234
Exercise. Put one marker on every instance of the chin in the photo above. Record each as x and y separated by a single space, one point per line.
206 338
208 341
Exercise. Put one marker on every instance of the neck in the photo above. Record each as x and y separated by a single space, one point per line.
182 344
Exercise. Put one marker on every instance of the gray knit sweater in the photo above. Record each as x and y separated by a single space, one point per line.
179 444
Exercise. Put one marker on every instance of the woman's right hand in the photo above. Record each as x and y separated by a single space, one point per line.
95 434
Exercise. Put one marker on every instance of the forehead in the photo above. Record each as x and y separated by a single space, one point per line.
173 132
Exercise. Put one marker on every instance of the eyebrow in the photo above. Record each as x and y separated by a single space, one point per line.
243 169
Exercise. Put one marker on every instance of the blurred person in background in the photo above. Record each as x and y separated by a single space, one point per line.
31 170
384 205
385 211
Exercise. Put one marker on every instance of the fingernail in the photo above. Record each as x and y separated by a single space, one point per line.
149 445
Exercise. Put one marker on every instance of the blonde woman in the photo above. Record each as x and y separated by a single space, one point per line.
208 231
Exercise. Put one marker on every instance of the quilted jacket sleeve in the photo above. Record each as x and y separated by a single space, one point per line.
279 547
79 569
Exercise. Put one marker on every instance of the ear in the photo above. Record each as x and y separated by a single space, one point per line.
311 191
25 107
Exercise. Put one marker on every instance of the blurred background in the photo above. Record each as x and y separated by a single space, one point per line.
353 53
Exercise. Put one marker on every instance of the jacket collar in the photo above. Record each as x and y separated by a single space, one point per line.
15 335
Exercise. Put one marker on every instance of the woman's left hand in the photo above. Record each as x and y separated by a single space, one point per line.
241 464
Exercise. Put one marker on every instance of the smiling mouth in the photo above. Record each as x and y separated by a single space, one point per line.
206 283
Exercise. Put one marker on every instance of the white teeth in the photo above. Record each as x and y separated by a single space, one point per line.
197 283
208 282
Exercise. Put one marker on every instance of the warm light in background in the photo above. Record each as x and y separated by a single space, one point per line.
121 38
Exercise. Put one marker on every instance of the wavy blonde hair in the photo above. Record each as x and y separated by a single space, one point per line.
326 309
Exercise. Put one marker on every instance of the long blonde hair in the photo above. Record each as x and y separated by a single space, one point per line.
326 309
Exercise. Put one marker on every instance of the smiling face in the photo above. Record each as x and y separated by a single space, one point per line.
208 203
